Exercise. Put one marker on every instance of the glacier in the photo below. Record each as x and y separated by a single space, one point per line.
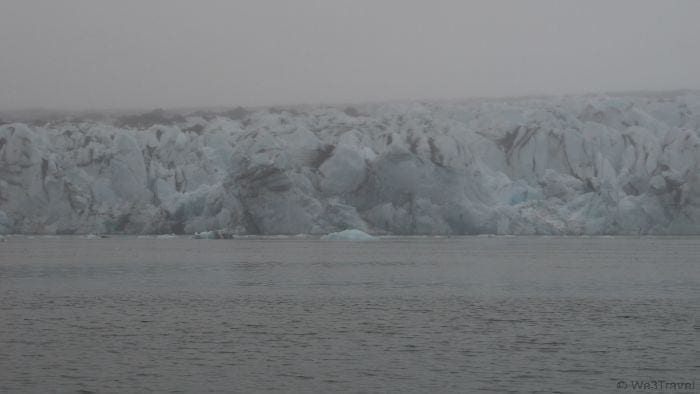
568 165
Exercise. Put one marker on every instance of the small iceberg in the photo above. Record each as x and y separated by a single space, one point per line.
349 235
166 236
215 234
204 235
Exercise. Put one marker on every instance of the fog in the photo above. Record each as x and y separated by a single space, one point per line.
83 54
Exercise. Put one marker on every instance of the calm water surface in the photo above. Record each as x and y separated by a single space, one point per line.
472 314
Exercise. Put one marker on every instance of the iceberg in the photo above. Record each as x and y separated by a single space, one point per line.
593 164
216 234
349 235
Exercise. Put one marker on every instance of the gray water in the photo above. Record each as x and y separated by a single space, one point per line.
470 314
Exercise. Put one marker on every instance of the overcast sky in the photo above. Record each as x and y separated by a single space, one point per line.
81 54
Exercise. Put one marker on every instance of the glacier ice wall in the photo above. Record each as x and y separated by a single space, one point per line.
562 165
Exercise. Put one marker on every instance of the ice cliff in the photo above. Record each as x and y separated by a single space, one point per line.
562 165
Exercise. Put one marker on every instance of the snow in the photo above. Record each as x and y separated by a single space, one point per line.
349 235
561 165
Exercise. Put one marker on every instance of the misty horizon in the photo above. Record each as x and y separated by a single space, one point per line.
35 113
79 55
